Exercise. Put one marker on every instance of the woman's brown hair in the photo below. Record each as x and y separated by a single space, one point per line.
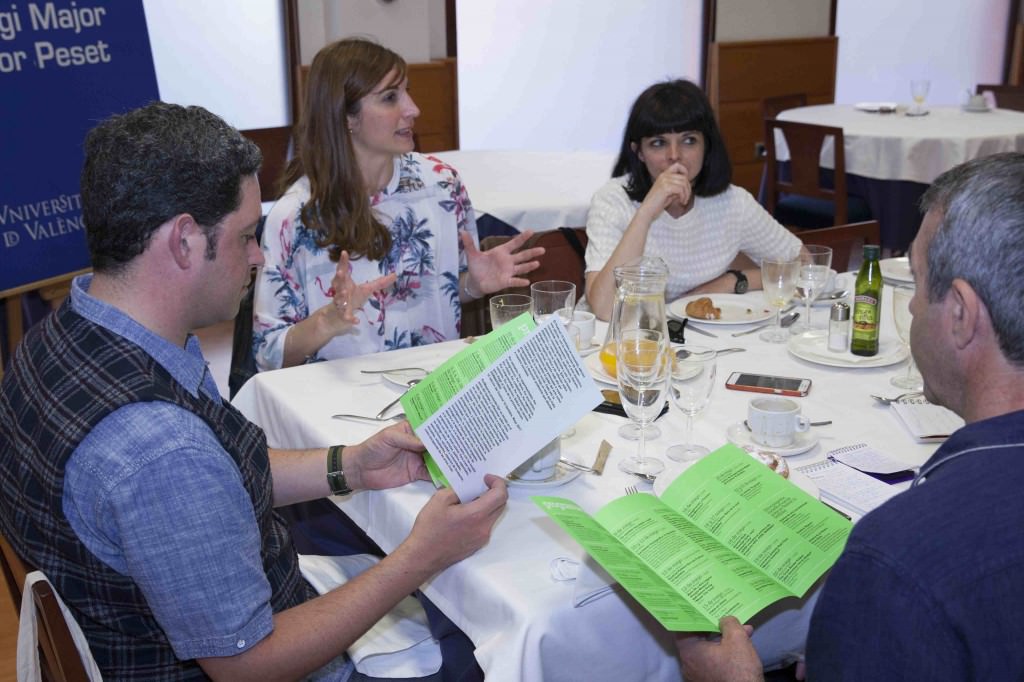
342 74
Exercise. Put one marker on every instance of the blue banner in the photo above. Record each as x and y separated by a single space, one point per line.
64 66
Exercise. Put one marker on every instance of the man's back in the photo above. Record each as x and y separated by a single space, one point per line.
923 588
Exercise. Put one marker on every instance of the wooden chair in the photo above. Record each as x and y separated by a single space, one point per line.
844 240
563 259
771 107
59 659
275 143
804 201
1007 96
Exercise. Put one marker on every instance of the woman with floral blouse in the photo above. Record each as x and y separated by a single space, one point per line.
372 247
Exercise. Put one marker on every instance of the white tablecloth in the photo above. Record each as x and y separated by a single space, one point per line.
522 621
915 148
539 191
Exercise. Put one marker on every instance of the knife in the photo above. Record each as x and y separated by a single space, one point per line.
785 323
686 326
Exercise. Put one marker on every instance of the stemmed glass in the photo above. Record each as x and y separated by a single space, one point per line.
901 296
815 262
778 280
919 91
690 386
642 369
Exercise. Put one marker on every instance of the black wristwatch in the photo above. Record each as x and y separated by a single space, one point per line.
741 282
335 474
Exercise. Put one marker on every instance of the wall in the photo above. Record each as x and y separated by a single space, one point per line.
226 56
883 45
415 30
758 20
536 74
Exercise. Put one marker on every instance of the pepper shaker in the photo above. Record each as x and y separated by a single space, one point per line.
839 328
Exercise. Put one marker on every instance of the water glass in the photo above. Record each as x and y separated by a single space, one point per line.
552 297
642 369
901 316
778 280
691 384
507 307
815 270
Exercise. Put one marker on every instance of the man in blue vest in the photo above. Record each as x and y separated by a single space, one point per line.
930 584
146 499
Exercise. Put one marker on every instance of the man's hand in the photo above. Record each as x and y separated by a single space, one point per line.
387 459
501 267
729 659
447 531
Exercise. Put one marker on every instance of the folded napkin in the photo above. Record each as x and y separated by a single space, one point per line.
400 644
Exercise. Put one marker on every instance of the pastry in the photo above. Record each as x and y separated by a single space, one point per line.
703 309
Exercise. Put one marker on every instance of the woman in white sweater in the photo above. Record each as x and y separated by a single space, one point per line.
671 196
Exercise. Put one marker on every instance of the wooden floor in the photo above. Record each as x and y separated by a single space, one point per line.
216 344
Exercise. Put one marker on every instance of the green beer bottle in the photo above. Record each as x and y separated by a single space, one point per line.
867 304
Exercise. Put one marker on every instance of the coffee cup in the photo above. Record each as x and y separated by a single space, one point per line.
977 102
540 466
774 422
585 323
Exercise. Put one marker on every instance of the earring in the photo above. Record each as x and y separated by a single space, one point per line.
350 131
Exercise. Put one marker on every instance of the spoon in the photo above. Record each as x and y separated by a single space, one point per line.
890 401
682 353
384 410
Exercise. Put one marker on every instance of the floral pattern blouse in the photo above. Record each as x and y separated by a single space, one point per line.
424 207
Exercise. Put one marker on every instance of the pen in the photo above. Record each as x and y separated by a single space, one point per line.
841 513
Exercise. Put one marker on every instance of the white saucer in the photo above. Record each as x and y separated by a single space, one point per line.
802 441
593 363
563 474
976 110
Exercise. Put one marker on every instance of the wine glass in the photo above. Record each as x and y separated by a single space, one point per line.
690 386
815 262
642 369
901 296
778 280
507 307
919 91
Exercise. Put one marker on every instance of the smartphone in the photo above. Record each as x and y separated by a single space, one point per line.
762 383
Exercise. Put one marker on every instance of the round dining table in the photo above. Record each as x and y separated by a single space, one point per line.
535 606
892 157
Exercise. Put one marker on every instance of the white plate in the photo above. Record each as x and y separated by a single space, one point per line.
876 107
563 474
736 308
673 469
401 379
802 442
812 347
593 364
896 269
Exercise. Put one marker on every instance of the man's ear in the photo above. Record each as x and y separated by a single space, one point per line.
965 308
185 240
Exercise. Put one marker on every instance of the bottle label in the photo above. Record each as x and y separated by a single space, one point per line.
865 317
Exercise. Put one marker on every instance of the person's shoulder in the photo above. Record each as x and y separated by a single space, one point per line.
428 166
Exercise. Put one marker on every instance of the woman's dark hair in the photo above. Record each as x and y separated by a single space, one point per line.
673 107
339 208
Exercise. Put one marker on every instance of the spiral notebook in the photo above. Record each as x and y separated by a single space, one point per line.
848 487
927 423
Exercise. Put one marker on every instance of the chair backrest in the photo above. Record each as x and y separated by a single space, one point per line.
1007 96
844 240
771 107
58 656
563 259
275 143
805 141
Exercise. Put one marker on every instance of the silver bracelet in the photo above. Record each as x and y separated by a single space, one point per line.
465 287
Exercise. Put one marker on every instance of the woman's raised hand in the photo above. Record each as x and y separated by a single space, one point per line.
348 297
501 267
671 188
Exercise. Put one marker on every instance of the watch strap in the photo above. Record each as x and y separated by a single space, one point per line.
335 474
741 281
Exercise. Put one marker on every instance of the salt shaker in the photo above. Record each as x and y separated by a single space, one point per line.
839 328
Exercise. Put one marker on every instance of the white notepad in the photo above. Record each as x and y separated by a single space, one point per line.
849 488
927 423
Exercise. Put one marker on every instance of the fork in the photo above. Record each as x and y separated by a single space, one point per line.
901 396
631 490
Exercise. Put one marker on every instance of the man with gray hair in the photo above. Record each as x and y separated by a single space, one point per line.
930 585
